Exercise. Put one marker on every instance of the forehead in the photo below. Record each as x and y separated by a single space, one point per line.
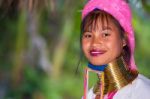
98 20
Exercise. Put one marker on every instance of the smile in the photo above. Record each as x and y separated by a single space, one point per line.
97 52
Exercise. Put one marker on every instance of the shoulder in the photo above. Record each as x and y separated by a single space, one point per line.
142 85
138 89
90 94
143 80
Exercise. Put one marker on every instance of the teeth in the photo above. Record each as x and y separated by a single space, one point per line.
95 52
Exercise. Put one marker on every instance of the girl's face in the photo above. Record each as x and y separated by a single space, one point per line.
103 43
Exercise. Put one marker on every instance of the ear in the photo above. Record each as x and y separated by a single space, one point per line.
124 40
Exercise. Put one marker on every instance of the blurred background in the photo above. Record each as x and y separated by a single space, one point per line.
40 47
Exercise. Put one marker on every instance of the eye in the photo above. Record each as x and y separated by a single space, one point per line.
87 35
106 34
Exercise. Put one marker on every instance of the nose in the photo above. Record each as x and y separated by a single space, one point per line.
96 41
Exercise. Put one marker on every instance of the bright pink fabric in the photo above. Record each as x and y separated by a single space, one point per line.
122 12
110 95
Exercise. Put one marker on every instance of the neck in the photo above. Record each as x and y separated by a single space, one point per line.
97 67
116 76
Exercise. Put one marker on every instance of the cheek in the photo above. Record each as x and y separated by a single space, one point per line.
84 45
118 50
115 47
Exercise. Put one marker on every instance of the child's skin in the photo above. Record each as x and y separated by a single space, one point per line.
103 43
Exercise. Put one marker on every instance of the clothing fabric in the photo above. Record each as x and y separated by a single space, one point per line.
138 89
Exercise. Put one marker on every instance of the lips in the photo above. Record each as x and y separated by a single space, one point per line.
97 52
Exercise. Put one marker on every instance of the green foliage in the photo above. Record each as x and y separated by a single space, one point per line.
53 27
142 53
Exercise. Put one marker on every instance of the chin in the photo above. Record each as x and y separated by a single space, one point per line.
98 63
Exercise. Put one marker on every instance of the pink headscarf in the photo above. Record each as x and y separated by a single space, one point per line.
120 10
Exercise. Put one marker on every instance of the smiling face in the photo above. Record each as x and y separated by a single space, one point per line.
101 40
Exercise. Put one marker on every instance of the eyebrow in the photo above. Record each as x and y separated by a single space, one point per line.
103 28
87 32
106 28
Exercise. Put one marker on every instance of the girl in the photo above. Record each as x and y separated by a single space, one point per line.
107 40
